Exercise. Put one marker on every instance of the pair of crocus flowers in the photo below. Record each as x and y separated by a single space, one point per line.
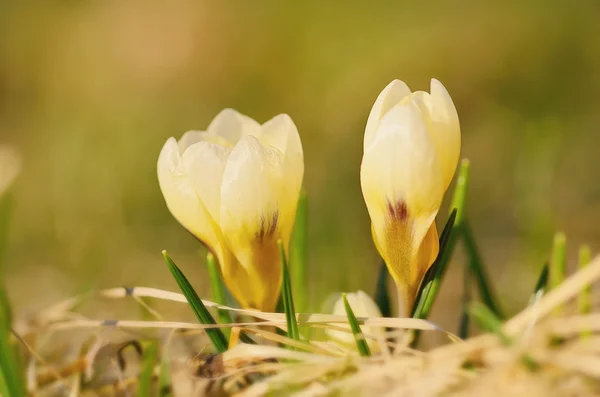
236 185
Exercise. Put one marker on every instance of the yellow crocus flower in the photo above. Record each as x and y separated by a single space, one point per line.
411 150
235 187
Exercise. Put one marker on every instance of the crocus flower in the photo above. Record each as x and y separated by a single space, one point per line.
362 306
235 187
411 150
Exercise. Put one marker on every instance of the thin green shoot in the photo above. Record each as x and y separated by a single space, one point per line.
584 299
202 314
540 286
432 281
299 253
558 265
488 321
217 289
288 299
146 377
464 320
361 343
478 270
382 293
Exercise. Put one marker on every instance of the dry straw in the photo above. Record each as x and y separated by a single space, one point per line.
532 363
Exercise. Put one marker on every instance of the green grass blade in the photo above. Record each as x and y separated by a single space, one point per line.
202 314
288 299
164 378
431 282
459 196
479 273
540 286
542 282
584 301
217 288
463 323
11 381
299 253
149 360
361 343
382 293
488 321
558 264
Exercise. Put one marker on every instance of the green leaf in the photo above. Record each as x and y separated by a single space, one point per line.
164 378
460 191
542 282
382 294
463 323
202 314
558 264
288 300
217 289
11 382
478 270
488 321
431 282
361 343
584 301
298 254
540 286
149 360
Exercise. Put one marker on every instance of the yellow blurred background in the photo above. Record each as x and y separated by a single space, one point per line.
90 91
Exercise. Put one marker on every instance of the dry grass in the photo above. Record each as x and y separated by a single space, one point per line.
545 355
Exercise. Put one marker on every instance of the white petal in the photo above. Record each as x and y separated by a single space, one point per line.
362 306
205 163
251 189
191 137
401 166
444 127
232 125
391 95
281 133
181 197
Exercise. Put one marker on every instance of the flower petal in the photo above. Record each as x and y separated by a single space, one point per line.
280 132
191 137
251 220
440 114
362 306
232 125
182 200
391 95
204 163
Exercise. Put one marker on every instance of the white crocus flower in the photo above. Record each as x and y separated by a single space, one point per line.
235 187
411 150
362 306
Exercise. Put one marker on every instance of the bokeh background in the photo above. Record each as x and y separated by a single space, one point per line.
90 91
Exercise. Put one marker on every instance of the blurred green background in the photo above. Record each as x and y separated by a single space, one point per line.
90 91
